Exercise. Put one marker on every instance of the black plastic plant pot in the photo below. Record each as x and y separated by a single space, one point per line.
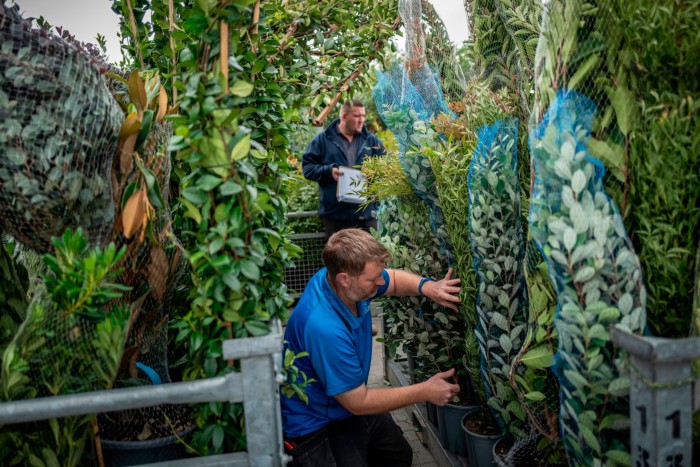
479 446
449 425
431 411
125 453
411 364
501 449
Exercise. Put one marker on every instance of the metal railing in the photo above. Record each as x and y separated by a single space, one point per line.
256 386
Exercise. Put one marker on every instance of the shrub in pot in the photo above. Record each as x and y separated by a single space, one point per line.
481 432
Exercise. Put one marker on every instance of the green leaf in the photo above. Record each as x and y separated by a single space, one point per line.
506 343
146 124
625 104
152 187
583 71
231 316
539 357
241 149
257 328
584 274
128 191
250 270
230 188
195 25
609 314
535 396
500 321
231 281
516 409
578 181
191 211
208 182
612 155
242 88
590 438
50 458
34 461
619 457
217 438
569 238
576 379
619 387
615 422
625 303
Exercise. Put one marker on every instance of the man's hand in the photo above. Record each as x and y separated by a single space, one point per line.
439 391
336 172
444 292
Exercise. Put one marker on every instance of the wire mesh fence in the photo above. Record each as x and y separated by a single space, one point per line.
309 262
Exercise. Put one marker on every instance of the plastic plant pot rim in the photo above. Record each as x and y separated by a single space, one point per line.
147 444
467 416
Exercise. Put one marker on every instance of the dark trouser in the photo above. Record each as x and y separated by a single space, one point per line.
333 225
358 441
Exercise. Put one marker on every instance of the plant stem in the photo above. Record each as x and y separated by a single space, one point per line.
135 32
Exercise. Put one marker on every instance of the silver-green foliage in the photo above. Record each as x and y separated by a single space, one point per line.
414 322
597 276
498 249
59 128
412 132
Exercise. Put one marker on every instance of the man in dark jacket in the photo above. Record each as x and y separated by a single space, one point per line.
346 142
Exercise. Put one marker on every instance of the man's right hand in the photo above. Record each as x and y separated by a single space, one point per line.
439 391
336 172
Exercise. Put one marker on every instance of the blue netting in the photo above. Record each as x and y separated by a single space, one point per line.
596 274
406 104
498 251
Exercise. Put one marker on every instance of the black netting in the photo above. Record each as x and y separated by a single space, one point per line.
58 137
70 170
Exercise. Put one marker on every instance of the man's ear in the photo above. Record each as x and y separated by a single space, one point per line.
342 279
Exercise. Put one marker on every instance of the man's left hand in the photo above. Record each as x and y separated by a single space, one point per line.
444 292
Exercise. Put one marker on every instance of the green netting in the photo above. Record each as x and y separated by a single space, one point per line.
619 80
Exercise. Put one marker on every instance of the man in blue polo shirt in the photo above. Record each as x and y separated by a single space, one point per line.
345 423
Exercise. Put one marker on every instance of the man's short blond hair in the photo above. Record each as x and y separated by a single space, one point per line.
349 250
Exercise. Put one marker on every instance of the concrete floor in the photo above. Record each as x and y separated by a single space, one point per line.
421 455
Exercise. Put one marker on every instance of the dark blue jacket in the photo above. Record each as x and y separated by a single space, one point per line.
322 155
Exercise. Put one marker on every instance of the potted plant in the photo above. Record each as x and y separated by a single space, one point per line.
481 432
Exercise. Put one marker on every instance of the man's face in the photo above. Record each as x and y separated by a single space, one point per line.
367 283
354 120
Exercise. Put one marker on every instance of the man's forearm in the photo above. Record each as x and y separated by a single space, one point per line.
405 284
443 291
368 401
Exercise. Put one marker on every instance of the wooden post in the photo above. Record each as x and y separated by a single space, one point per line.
171 29
223 54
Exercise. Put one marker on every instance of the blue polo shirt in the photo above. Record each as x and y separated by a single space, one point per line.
339 358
